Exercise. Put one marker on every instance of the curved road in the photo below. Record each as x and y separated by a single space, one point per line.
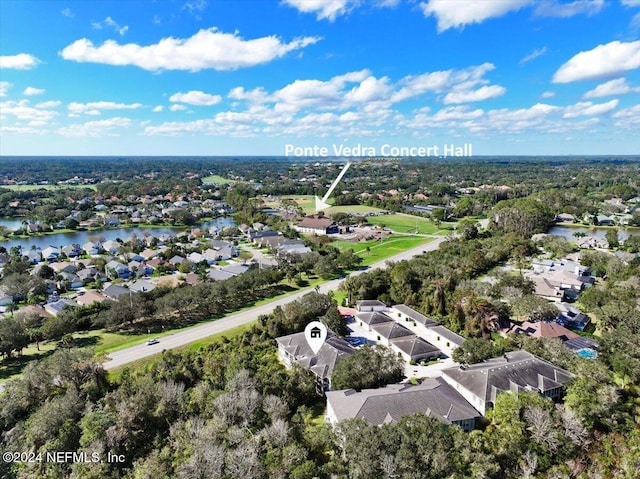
124 356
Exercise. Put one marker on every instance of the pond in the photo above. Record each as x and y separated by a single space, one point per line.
568 231
81 237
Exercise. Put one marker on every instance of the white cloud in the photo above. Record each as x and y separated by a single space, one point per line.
457 113
628 118
177 107
95 128
158 109
463 12
463 80
23 111
631 3
324 9
566 10
67 12
604 60
21 61
94 107
257 95
195 97
482 93
548 94
49 104
110 22
587 108
30 91
4 87
534 54
206 49
618 86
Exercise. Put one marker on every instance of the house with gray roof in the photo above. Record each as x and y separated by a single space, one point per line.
433 397
56 307
218 275
372 318
387 332
414 348
514 372
294 349
369 305
404 313
114 291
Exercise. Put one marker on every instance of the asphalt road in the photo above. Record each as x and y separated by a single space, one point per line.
187 336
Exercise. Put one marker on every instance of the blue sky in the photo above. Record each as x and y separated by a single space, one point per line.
248 77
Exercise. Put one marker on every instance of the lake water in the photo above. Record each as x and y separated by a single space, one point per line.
81 237
567 232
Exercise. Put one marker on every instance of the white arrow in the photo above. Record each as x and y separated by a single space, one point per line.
322 204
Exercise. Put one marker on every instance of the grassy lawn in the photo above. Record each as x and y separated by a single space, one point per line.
381 249
217 179
405 224
12 368
352 209
45 187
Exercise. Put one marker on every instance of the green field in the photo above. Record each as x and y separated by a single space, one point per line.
308 205
45 187
408 224
218 180
381 249
352 209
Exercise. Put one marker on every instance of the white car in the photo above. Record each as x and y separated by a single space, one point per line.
153 341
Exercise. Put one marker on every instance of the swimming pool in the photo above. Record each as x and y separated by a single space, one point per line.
587 353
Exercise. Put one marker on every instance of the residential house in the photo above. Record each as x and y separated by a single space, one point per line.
111 246
63 267
433 397
90 297
571 317
115 268
142 286
91 248
565 218
414 348
33 256
114 291
294 349
236 269
316 224
72 250
602 220
368 305
544 329
218 275
292 248
50 253
69 280
514 372
56 307
177 260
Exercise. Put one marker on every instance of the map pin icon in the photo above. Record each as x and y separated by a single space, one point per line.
316 334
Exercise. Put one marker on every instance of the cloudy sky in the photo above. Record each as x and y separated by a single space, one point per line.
247 77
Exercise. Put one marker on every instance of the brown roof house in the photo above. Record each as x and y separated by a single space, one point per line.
316 224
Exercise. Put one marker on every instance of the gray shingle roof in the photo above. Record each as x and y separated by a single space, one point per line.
416 316
515 371
448 334
389 404
328 356
373 318
392 330
416 348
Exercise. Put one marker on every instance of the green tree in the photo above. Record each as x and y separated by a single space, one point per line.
368 367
